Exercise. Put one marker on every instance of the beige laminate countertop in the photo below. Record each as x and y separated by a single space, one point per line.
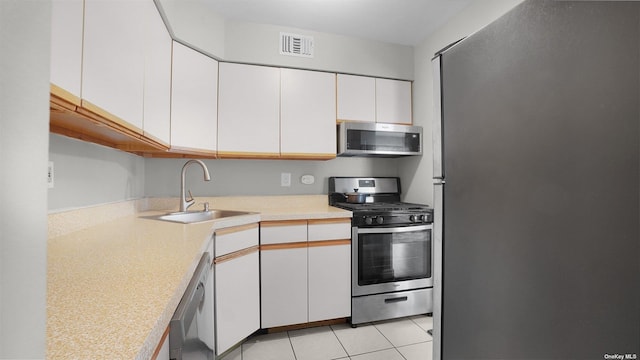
113 287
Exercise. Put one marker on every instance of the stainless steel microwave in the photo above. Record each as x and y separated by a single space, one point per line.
376 139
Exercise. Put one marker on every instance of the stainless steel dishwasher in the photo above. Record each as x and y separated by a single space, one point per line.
191 334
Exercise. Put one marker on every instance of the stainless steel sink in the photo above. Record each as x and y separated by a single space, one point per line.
188 217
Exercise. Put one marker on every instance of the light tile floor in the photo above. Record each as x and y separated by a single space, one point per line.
400 339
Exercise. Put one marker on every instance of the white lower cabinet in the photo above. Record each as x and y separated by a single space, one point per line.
329 269
329 282
284 287
237 286
305 271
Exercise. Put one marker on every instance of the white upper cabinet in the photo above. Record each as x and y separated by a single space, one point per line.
157 76
66 46
193 103
307 114
368 99
393 101
249 111
356 98
113 59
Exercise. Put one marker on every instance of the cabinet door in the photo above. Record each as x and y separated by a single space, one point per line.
329 269
66 46
157 77
393 101
356 98
283 272
113 60
284 286
249 113
307 114
329 229
283 232
194 108
232 239
329 281
237 300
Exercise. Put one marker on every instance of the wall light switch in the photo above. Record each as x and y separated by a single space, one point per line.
285 179
50 175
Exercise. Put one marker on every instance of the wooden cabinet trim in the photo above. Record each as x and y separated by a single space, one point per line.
90 109
235 229
283 246
69 100
277 329
304 156
247 155
304 244
156 139
236 254
159 346
320 243
82 124
282 223
330 221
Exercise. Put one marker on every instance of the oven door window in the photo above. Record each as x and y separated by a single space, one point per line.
393 256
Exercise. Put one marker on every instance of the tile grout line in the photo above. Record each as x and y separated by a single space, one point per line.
293 350
340 342
392 344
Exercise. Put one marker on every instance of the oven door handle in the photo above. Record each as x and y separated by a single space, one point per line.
394 230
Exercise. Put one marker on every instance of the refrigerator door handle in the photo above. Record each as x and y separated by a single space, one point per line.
438 169
438 218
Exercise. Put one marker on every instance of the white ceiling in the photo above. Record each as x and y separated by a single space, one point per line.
405 22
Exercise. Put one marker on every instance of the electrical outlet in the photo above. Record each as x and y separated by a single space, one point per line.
50 175
285 179
308 179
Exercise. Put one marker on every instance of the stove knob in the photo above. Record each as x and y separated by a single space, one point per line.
414 218
379 220
368 220
420 218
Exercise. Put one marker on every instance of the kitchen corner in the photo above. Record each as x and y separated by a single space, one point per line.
114 284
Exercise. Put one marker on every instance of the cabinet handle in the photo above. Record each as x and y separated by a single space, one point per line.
395 300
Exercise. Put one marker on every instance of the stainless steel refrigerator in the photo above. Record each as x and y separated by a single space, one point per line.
537 164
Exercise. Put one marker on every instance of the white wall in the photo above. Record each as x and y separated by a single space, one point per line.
24 131
88 174
195 24
259 44
257 177
416 173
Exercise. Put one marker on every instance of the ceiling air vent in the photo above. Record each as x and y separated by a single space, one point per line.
296 45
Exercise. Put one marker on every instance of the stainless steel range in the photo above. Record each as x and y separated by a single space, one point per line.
391 249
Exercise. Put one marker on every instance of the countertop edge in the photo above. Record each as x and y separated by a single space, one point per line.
155 334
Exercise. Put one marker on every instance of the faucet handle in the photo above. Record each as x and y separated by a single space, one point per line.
190 196
206 206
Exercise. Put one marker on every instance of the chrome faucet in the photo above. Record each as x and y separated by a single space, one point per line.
184 203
